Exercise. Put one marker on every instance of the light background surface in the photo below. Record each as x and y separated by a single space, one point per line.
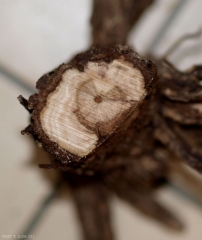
35 37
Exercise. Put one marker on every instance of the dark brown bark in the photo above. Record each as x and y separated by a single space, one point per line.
179 126
181 143
112 20
185 113
180 86
91 198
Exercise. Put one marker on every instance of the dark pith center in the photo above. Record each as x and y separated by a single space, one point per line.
98 99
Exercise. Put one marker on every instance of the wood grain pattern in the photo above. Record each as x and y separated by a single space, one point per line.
72 113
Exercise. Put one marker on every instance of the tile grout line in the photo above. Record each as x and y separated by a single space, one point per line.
34 221
185 194
16 80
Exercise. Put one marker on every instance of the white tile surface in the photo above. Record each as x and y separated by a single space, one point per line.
35 37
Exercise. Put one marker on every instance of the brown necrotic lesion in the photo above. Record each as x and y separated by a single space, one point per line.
98 106
98 99
104 101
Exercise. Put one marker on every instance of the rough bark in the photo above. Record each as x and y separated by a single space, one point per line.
179 118
91 198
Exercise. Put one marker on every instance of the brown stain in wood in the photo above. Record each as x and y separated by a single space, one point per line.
98 99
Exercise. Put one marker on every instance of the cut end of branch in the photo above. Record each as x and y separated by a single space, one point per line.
96 100
82 103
